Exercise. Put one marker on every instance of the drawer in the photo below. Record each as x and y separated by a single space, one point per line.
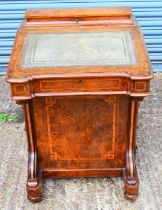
80 85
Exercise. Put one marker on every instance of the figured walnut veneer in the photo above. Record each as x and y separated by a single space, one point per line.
80 74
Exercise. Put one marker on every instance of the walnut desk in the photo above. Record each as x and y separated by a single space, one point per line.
80 74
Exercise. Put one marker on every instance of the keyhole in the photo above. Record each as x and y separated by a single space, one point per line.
77 20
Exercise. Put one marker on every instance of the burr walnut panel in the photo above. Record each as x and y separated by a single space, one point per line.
80 132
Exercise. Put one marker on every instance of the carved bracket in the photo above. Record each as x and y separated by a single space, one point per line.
131 177
32 158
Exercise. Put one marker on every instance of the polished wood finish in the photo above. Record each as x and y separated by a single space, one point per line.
81 121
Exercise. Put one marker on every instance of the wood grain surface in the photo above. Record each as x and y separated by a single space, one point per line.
81 121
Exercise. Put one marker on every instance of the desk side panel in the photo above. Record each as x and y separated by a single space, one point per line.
81 132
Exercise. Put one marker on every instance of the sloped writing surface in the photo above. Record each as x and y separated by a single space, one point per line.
78 49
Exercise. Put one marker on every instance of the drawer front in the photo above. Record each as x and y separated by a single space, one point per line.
78 85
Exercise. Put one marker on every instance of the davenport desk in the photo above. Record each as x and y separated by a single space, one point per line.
80 74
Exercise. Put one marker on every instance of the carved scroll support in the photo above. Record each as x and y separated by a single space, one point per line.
131 176
34 177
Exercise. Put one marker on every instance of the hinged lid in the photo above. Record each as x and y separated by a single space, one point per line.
79 42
